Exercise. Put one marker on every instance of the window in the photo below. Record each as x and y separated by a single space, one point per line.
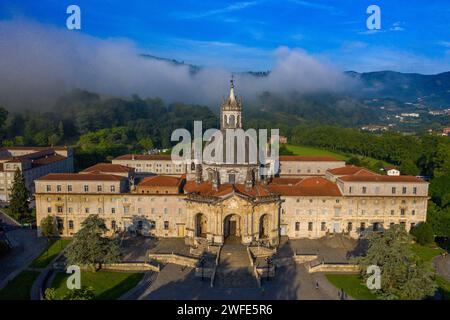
404 190
49 188
232 178
323 226
70 210
376 226
363 226
152 224
310 226
402 223
59 209
113 189
49 210
392 212
413 212
412 225
69 188
70 224
113 225
86 188
349 227
297 226
99 189
58 188
402 211
126 209
394 190
350 189
364 190
415 190
86 210
166 225
113 210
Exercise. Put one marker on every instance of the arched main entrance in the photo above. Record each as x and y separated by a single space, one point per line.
201 225
264 226
232 228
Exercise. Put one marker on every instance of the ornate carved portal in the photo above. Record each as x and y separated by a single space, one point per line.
201 225
232 227
264 227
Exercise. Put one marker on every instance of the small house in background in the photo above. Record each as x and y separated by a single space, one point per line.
281 139
392 171
446 132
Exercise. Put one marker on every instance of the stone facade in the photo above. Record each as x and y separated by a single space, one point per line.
33 162
309 197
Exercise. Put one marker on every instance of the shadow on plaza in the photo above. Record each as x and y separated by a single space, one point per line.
177 283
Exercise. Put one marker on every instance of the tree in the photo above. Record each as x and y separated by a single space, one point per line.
146 143
85 293
90 248
408 167
403 275
19 197
423 233
48 227
439 219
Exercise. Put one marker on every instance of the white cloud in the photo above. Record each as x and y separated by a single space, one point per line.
233 7
39 62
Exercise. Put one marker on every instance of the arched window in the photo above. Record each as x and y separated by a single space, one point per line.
231 120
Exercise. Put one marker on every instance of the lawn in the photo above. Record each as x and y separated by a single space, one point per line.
19 288
353 285
444 287
370 163
307 151
54 248
426 253
107 285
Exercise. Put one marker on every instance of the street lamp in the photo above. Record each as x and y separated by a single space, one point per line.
269 262
202 263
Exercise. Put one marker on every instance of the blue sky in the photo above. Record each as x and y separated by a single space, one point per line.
243 35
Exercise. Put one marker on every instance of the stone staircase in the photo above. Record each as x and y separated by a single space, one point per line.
234 270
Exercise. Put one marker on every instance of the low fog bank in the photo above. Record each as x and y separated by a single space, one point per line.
39 63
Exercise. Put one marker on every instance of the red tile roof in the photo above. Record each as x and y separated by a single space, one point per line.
350 170
206 189
80 177
380 178
279 186
307 158
166 181
144 157
108 167
48 159
316 186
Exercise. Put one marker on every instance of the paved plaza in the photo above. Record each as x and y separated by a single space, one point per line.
291 282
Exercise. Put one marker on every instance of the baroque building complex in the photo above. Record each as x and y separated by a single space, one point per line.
308 197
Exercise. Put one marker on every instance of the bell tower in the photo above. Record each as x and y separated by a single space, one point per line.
231 111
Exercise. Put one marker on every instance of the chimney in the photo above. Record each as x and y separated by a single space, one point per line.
198 173
132 156
215 181
249 179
